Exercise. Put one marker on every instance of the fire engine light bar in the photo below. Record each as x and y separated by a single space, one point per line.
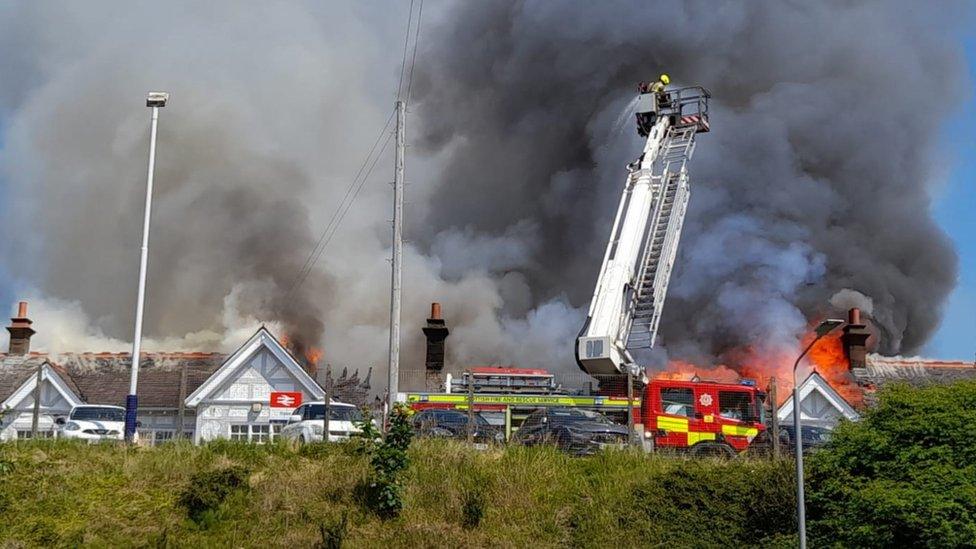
748 382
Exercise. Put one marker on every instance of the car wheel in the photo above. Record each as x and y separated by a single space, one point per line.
712 449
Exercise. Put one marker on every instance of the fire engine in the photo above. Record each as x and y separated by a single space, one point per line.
626 306
705 418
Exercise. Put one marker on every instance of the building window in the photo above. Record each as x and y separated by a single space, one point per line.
239 432
163 436
153 437
257 434
24 434
260 433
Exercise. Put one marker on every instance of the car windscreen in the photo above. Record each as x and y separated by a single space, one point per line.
95 413
570 415
336 413
458 418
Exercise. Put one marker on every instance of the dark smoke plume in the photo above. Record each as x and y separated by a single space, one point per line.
816 178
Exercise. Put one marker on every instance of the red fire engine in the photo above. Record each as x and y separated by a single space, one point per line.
702 417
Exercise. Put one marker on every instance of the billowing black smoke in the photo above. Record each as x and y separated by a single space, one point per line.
815 179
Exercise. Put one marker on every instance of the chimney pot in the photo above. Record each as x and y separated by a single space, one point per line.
20 331
855 339
436 331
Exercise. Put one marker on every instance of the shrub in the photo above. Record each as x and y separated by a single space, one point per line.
473 508
903 476
384 493
333 532
208 489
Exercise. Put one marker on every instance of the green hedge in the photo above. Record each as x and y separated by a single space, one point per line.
903 476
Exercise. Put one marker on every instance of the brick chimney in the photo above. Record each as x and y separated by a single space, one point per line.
436 332
855 340
20 331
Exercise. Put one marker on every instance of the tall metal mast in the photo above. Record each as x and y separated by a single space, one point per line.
154 100
394 384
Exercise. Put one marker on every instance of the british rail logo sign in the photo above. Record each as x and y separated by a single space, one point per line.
285 399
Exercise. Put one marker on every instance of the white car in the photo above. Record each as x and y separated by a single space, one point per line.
94 423
307 422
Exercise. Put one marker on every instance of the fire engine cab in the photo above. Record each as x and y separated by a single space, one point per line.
702 417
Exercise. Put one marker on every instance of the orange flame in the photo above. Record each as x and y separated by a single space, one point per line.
826 357
313 355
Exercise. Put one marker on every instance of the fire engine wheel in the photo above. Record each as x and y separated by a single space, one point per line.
712 449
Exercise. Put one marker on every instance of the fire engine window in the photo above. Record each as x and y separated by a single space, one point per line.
734 405
677 401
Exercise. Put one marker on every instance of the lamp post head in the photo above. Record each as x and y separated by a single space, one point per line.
157 99
828 326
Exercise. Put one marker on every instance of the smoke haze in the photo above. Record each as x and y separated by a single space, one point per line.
814 180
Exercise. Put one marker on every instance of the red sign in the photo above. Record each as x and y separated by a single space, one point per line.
285 399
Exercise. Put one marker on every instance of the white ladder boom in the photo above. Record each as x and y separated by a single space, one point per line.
633 282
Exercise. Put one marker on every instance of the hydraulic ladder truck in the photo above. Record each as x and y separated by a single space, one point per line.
633 282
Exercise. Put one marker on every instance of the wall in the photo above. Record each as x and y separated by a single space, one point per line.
231 404
20 416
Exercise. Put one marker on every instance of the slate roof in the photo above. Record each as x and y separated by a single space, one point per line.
15 370
103 378
914 370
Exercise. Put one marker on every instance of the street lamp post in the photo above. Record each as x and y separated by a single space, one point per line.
822 329
154 100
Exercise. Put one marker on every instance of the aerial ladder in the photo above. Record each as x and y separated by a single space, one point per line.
633 282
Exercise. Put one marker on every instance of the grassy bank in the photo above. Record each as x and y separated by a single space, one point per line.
59 494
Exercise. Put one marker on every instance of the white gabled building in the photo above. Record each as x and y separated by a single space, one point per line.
18 380
820 405
234 401
201 396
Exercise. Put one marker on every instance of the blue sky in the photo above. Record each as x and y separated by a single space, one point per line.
955 209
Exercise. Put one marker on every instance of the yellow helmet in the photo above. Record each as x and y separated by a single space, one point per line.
665 79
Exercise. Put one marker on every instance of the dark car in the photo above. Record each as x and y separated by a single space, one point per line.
454 424
577 431
813 437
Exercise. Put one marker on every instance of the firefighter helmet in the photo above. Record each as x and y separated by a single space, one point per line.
665 79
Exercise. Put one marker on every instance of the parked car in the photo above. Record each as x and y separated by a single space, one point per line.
813 437
307 422
454 424
578 431
94 423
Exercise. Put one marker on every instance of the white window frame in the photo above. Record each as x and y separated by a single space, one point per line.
254 433
26 434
